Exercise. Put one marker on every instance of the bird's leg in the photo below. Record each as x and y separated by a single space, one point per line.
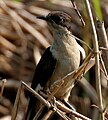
50 113
43 94
68 105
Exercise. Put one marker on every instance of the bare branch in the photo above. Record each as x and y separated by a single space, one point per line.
103 41
78 13
97 67
2 87
16 104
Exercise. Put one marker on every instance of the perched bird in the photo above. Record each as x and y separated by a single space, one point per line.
61 58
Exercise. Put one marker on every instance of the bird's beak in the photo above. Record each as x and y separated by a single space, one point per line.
42 17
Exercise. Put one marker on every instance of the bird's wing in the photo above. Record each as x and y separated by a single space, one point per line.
44 69
43 72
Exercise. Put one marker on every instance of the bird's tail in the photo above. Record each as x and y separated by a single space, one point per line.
32 109
34 106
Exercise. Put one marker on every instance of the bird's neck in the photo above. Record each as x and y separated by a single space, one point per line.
63 44
59 36
63 38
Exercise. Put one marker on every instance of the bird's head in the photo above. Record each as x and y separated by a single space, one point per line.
57 21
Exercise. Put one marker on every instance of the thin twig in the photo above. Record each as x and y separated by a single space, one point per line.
103 41
97 67
81 41
77 11
67 110
2 87
38 113
36 95
103 48
46 103
16 104
103 67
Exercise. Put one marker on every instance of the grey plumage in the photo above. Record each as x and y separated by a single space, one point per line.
61 58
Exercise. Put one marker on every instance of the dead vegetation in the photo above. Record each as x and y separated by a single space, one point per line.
23 38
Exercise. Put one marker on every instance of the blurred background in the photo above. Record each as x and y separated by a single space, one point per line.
23 39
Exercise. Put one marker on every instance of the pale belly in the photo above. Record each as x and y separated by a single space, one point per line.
67 55
63 67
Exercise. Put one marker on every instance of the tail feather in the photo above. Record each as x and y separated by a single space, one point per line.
31 111
33 108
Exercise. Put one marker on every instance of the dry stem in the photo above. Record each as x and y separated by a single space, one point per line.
2 87
78 13
24 24
103 41
97 67
16 104
46 103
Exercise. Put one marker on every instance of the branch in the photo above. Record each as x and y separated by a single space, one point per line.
97 67
16 104
46 103
103 41
78 13
2 87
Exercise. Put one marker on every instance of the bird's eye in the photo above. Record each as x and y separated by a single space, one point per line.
57 19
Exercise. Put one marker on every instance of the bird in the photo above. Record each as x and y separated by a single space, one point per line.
59 59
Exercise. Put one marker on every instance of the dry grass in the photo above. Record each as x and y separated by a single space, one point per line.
23 39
